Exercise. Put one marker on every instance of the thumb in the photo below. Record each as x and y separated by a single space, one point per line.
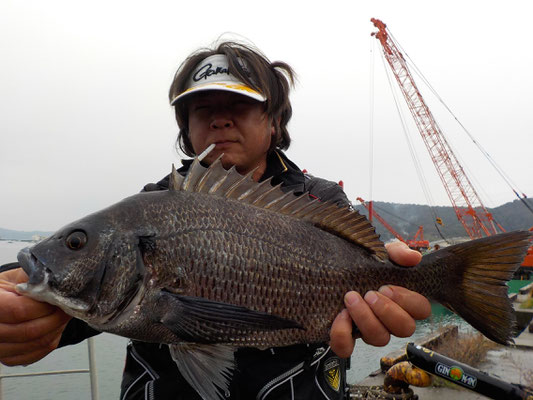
402 255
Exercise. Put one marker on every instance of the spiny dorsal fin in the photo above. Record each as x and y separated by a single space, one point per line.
175 179
341 221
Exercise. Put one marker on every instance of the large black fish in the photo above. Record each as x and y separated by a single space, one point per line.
219 262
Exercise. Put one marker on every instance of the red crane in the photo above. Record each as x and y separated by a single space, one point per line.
468 207
415 244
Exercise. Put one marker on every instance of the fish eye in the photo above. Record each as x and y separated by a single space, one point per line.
76 240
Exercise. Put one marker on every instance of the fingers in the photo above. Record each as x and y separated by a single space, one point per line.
416 305
402 255
390 311
33 329
24 353
37 352
341 340
16 308
14 276
29 329
27 342
363 315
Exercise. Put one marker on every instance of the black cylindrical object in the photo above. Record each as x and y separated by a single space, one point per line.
466 376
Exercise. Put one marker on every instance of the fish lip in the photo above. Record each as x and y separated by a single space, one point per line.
38 287
32 266
42 292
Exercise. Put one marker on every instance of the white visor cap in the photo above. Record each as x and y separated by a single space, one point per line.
213 74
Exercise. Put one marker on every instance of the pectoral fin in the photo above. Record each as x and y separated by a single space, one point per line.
200 320
207 368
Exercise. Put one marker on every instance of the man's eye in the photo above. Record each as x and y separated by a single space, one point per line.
242 103
240 106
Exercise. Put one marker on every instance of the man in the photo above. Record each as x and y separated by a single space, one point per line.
234 98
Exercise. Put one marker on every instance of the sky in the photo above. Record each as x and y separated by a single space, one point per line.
85 120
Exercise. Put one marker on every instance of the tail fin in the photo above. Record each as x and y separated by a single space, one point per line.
476 288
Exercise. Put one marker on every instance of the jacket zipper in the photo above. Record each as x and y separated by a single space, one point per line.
288 374
149 394
293 371
149 387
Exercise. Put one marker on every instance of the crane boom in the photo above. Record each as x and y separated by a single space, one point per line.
373 213
460 190
415 244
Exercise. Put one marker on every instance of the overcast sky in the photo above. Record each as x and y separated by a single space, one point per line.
85 120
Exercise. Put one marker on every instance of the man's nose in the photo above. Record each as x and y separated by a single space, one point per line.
221 121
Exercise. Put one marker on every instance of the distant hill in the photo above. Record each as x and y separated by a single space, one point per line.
7 234
406 218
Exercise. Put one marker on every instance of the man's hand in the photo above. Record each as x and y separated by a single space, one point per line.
29 329
390 310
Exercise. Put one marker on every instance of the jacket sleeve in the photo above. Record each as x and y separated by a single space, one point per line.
326 190
75 332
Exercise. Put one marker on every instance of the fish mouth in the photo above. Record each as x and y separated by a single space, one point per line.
38 287
34 268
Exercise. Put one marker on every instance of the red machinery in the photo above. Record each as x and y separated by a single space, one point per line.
528 261
414 244
468 206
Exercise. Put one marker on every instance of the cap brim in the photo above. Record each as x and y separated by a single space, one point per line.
228 87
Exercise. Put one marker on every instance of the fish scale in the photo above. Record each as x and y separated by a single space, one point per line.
288 271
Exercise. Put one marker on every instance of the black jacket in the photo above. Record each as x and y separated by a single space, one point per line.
293 372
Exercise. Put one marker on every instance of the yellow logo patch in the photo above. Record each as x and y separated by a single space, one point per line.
332 373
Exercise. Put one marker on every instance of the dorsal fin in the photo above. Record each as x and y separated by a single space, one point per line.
341 221
174 180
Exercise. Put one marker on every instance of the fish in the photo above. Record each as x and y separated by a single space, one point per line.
218 262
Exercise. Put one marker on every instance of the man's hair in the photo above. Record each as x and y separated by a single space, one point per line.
272 79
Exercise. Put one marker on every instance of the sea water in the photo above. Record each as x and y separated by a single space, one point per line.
110 353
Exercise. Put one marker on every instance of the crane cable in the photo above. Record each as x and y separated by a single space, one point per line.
414 155
419 73
371 135
462 162
498 169
371 122
384 211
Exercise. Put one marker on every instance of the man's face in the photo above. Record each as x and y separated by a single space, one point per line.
237 125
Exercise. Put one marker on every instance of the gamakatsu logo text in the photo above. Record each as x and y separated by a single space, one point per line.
456 374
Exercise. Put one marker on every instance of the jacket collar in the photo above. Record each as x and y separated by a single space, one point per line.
282 170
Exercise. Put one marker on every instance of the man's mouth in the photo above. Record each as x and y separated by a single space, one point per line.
222 143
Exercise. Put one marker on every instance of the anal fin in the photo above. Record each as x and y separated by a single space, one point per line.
206 367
